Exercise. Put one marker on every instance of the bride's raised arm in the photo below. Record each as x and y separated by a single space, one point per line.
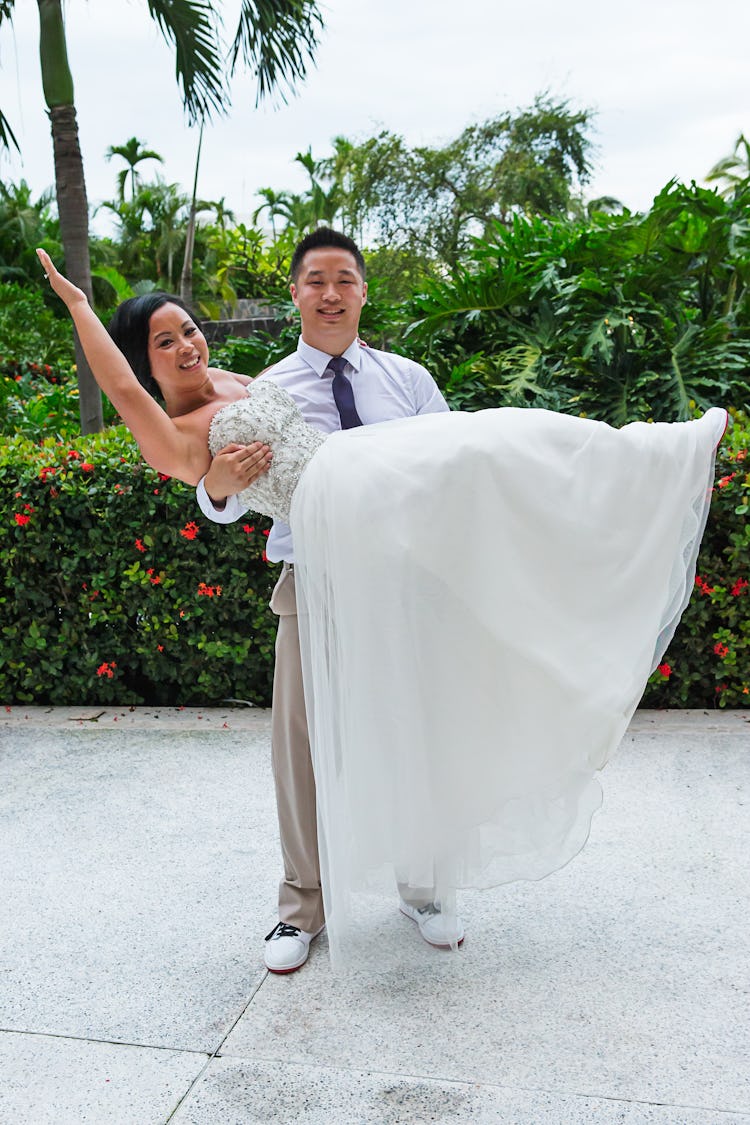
164 446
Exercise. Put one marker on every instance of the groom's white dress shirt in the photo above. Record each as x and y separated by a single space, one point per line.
385 386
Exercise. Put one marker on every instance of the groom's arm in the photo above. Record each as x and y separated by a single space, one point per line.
227 511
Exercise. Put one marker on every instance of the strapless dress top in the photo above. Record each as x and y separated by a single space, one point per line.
268 414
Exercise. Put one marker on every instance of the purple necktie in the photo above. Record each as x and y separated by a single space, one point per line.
343 394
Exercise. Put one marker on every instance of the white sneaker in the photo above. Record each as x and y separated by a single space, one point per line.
287 948
434 926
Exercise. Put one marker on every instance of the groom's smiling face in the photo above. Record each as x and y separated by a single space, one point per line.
329 294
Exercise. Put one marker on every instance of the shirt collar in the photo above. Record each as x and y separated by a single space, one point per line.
319 360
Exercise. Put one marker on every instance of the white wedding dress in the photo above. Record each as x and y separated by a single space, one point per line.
483 597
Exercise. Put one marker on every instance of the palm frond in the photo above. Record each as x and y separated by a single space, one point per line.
192 28
276 39
7 136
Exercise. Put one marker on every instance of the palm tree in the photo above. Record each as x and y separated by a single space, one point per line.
133 154
24 224
297 210
274 39
733 171
168 209
272 201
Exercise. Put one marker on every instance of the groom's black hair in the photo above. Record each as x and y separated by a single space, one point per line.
321 239
129 330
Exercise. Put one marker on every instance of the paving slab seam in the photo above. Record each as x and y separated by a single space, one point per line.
474 1084
105 1042
550 1091
216 1053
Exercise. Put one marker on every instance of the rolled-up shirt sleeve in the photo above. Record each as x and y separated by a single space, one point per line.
231 511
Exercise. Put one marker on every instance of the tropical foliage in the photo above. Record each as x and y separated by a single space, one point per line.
274 39
618 316
532 298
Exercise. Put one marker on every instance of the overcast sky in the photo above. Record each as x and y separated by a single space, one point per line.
669 81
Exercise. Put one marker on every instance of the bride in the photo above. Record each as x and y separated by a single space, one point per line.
484 596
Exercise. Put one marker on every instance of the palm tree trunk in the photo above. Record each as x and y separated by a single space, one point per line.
70 187
186 280
72 207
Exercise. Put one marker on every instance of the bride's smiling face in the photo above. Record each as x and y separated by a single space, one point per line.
177 350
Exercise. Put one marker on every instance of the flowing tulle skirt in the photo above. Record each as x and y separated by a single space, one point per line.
482 599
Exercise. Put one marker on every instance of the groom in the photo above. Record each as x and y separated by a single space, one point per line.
361 387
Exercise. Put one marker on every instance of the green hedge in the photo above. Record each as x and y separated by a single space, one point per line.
117 590
708 662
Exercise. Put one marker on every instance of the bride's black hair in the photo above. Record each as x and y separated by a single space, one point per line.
129 330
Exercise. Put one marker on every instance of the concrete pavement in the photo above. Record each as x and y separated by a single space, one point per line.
139 866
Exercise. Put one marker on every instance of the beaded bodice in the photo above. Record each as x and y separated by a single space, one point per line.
270 415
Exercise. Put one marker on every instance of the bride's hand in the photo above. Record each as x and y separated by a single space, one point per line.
235 467
66 290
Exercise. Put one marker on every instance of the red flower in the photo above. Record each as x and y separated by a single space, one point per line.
740 455
209 591
21 519
107 669
164 476
155 579
739 587
87 467
721 649
139 545
160 648
190 530
702 585
666 670
73 455
720 688
247 528
724 481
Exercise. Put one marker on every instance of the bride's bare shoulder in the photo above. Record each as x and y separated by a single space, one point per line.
229 377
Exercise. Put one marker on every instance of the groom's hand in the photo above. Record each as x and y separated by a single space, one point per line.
233 468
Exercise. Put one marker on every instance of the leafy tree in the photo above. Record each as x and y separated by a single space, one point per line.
274 38
620 317
434 200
